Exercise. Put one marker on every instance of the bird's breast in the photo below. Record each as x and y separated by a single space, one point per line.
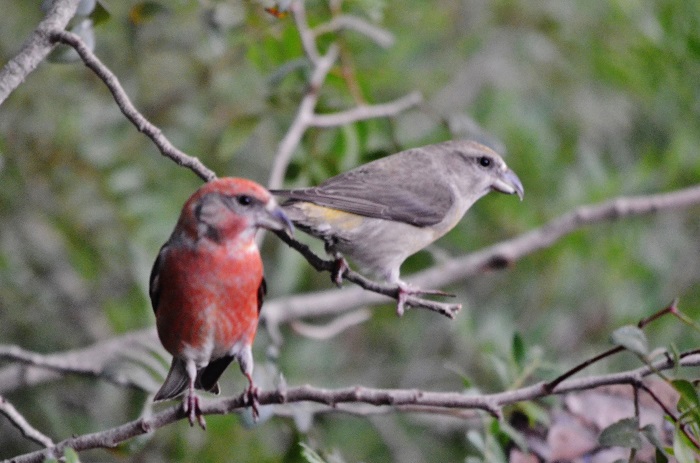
208 299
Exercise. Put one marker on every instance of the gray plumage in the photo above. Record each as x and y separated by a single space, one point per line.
380 213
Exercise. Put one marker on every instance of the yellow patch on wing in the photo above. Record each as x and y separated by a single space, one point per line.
336 218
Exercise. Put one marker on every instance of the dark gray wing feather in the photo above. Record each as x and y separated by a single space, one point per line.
405 187
154 280
262 291
208 377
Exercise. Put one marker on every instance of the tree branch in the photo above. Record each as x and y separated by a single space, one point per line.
497 256
332 302
446 309
306 116
378 35
37 47
308 40
334 328
27 430
142 124
302 119
367 112
93 361
510 251
670 309
393 398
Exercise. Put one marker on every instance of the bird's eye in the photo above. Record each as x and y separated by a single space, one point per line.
244 200
484 161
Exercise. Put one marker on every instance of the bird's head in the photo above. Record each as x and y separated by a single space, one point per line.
483 170
229 208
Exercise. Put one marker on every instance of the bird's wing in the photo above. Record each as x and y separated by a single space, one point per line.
409 194
262 291
154 281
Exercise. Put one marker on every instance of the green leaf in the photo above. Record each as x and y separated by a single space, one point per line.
660 456
683 450
145 11
514 435
100 14
650 432
689 396
459 371
536 413
476 440
310 454
689 402
624 433
71 455
631 338
676 356
518 350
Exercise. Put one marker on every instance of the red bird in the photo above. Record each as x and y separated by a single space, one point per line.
207 287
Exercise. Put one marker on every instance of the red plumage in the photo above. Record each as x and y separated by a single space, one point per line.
207 287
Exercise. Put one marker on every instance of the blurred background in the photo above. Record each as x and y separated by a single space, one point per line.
586 100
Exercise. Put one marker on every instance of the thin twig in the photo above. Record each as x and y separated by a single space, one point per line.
142 124
367 112
94 361
334 328
670 309
301 121
612 351
381 37
308 40
672 416
27 430
447 309
306 116
550 386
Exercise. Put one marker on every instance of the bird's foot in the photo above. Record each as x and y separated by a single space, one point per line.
190 405
251 396
404 291
340 265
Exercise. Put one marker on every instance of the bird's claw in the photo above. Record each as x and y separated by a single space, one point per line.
251 395
190 406
404 291
340 265
401 301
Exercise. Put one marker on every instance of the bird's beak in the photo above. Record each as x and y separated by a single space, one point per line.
509 183
274 218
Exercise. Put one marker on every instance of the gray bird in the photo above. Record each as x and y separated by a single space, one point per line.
380 213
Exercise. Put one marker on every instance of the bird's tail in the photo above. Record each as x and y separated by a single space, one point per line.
175 383
208 377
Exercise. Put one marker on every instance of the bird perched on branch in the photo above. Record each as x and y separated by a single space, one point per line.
380 213
207 287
